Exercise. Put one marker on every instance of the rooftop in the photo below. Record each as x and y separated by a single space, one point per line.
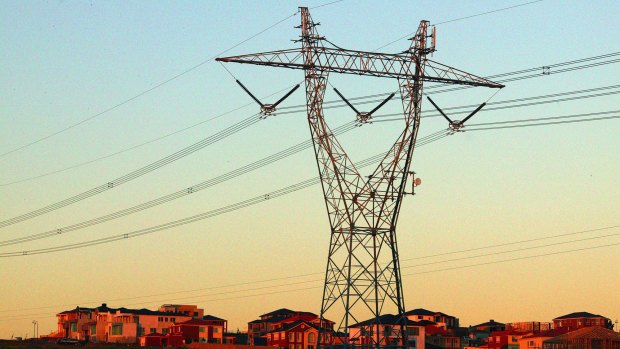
586 333
579 314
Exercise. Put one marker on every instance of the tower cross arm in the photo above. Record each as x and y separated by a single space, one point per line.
362 63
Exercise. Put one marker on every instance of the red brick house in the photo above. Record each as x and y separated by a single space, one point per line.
267 323
574 321
299 334
209 329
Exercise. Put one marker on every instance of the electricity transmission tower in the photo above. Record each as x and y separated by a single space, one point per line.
362 278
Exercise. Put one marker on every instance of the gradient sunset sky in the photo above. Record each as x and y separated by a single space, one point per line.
65 61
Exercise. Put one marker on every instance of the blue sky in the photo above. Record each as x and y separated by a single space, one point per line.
64 61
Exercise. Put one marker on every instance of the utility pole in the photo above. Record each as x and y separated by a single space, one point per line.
362 276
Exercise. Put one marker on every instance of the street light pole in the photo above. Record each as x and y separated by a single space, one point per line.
35 328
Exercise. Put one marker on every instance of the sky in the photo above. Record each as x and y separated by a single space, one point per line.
64 62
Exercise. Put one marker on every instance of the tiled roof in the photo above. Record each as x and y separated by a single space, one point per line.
490 323
579 314
389 319
279 312
77 309
594 332
211 317
275 319
420 311
292 325
144 311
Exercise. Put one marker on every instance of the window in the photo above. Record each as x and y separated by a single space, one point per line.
311 339
201 329
298 337
216 330
291 337
160 319
291 346
195 313
166 319
413 331
298 346
117 329
173 320
153 330
164 331
93 329
387 331
74 327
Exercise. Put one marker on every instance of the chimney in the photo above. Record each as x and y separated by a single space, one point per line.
105 305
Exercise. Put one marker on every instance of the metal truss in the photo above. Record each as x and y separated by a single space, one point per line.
362 277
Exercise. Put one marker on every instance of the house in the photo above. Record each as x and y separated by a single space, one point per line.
593 337
186 309
161 340
508 339
72 323
114 325
490 326
440 319
386 331
581 319
209 329
535 340
274 320
299 334
441 338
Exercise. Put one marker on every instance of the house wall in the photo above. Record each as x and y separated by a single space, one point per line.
532 343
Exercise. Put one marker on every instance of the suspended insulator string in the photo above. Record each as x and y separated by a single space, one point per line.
264 162
303 107
381 117
142 144
137 173
226 209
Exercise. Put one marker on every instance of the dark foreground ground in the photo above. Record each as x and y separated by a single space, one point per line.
27 344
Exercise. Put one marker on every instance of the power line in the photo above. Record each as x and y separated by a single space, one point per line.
340 104
276 157
137 173
158 85
486 247
460 19
229 208
225 209
193 297
138 145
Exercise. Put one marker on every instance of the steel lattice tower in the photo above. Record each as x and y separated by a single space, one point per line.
362 278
